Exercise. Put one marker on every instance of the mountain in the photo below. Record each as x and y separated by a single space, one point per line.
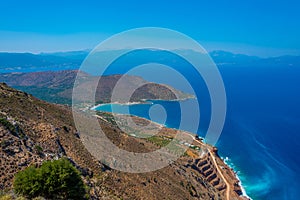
27 62
32 131
223 58
44 85
57 86
71 55
228 58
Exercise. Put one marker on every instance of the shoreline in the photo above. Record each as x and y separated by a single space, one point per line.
232 167
143 101
116 103
226 160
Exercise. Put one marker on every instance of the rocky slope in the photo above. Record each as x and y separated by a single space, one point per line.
32 131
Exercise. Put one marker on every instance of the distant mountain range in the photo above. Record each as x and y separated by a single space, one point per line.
27 62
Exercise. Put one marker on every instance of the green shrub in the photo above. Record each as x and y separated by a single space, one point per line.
28 182
38 149
8 126
38 198
6 197
53 180
158 141
14 129
21 198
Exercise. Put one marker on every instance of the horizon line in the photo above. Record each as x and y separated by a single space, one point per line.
207 51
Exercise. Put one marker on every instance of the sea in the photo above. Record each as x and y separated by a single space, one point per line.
261 136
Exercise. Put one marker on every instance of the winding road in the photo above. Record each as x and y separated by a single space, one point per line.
228 187
222 176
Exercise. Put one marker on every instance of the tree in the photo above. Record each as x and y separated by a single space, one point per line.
28 182
53 180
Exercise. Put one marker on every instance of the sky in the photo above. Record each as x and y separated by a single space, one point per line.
253 27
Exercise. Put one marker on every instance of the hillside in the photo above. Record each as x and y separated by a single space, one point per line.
32 130
57 86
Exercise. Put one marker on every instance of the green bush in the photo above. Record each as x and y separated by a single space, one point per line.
28 182
14 129
6 197
38 149
53 180
9 126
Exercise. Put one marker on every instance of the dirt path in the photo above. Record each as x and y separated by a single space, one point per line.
228 187
222 176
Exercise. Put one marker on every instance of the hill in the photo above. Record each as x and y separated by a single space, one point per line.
32 131
57 86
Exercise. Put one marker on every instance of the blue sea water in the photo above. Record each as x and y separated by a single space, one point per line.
262 129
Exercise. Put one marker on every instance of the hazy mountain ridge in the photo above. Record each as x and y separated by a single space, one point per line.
13 62
28 62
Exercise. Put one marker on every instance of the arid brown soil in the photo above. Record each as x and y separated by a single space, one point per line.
32 131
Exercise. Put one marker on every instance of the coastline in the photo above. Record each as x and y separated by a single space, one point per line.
226 161
233 168
142 101
115 103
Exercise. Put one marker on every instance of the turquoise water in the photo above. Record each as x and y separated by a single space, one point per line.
261 133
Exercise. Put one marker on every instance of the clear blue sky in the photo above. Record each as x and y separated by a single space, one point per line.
254 26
